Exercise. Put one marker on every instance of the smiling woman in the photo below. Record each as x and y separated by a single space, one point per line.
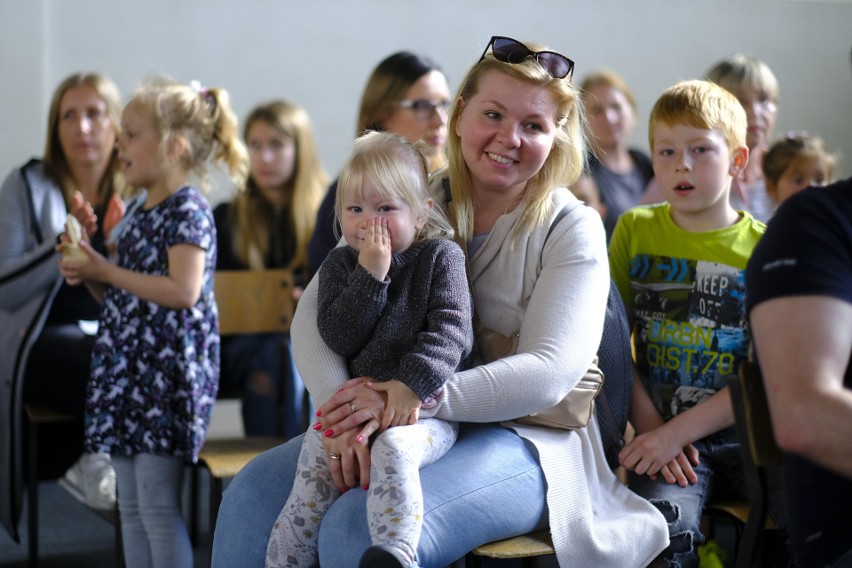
515 142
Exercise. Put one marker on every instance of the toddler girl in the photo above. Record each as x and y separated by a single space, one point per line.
396 304
795 162
155 363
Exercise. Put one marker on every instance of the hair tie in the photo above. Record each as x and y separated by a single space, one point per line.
204 93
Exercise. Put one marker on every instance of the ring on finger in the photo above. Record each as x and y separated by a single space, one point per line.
333 456
352 407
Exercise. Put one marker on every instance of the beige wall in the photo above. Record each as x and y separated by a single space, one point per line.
318 53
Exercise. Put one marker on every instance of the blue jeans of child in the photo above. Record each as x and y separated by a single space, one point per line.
719 455
152 527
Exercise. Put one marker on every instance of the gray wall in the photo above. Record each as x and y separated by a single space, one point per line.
318 53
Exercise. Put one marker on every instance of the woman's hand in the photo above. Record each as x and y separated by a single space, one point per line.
351 466
353 406
85 213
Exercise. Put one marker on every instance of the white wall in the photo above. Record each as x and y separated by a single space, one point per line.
318 53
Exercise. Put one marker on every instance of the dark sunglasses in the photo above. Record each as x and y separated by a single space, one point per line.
510 50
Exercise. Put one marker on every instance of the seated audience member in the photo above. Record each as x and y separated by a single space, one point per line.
268 225
500 478
406 94
755 86
679 267
799 283
50 364
620 173
795 162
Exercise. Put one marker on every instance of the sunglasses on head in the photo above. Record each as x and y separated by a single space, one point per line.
510 50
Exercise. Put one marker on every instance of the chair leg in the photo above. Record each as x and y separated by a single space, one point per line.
32 492
194 482
119 539
215 501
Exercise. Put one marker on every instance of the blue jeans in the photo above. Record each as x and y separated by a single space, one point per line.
245 355
719 454
489 486
152 527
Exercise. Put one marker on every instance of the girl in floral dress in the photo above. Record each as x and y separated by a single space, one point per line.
155 364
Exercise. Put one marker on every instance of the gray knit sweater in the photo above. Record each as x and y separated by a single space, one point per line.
414 327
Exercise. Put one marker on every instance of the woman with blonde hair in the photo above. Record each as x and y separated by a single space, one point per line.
620 174
756 87
539 274
49 364
268 225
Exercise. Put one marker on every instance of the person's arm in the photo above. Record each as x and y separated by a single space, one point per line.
179 288
560 330
348 293
25 268
441 344
803 346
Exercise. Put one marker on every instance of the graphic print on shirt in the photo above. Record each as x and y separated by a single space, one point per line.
691 331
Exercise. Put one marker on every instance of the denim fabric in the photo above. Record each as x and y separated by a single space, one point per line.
719 455
152 527
246 354
488 486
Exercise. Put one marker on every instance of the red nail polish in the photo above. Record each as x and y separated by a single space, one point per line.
365 487
328 433
317 426
319 413
360 439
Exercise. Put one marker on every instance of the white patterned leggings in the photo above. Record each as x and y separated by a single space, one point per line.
394 502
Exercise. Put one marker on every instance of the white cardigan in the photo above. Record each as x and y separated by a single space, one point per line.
554 299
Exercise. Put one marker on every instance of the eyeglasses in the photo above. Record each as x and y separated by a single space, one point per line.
423 108
510 50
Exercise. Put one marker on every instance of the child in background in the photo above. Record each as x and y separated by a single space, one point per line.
396 304
795 162
679 267
155 364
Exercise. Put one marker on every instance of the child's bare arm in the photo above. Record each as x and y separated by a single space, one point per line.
179 289
648 452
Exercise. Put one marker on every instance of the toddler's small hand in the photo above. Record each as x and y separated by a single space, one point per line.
375 255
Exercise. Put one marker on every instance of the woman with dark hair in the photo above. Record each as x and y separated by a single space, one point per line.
406 94
46 350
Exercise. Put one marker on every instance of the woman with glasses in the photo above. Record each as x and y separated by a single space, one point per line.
538 267
46 353
406 94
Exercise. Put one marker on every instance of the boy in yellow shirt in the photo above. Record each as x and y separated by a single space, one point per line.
679 267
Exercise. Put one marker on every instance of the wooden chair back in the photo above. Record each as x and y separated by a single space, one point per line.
756 418
254 301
